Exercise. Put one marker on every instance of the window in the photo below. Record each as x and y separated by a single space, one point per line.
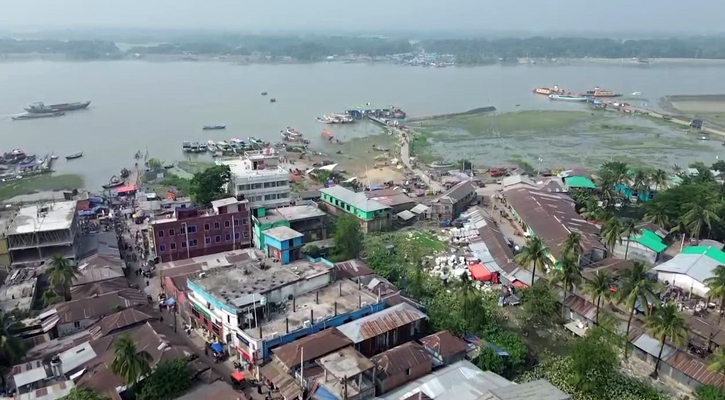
244 221
283 195
229 237
229 319
171 232
183 245
207 240
282 183
236 235
407 372
236 222
192 243
218 238
206 227
227 224
182 230
173 246
162 247
246 234
192 228
216 225
270 184
195 312
76 324
161 233
270 197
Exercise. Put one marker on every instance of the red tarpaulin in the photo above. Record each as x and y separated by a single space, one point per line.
125 189
520 284
479 272
238 376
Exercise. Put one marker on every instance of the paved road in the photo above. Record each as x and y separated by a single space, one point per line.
405 158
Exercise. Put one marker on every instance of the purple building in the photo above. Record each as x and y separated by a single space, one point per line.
193 233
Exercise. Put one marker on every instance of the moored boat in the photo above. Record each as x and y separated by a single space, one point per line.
202 147
211 145
186 146
40 108
292 132
113 183
194 147
74 156
27 116
264 93
547 91
125 173
599 92
255 140
441 164
213 127
272 100
567 97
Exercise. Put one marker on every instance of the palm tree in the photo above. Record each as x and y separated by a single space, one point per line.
591 208
12 347
717 363
629 230
657 213
61 273
640 181
569 274
700 216
636 287
572 246
660 179
533 255
617 170
666 322
600 286
716 287
612 233
128 363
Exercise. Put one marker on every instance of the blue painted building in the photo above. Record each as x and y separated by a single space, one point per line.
283 243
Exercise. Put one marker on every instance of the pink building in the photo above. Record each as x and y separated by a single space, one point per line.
192 232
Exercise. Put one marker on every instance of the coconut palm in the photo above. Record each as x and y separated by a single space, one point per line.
591 208
701 214
637 287
612 233
666 322
640 181
657 212
629 230
717 363
61 274
600 286
128 363
660 179
572 246
716 287
617 170
569 274
533 255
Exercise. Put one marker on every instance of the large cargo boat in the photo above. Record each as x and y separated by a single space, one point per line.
599 92
548 91
40 108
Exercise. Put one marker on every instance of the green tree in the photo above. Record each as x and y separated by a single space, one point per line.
630 230
348 237
657 213
666 322
700 215
129 363
12 348
600 286
209 184
569 274
489 360
612 233
50 297
660 179
81 393
573 246
709 392
716 288
717 364
539 303
168 381
594 362
636 287
534 255
61 274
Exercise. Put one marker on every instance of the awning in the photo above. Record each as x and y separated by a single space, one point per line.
479 272
126 189
170 301
218 347
520 284
238 376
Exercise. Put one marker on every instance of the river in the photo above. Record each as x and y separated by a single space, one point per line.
140 105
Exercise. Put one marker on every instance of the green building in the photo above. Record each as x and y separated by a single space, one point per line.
373 215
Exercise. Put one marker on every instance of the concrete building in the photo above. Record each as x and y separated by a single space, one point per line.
394 198
453 202
306 219
76 315
19 289
691 268
373 215
647 246
192 233
257 177
283 244
401 365
37 232
347 375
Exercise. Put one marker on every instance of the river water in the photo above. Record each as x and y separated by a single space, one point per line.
141 105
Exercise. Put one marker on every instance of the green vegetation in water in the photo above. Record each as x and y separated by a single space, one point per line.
40 183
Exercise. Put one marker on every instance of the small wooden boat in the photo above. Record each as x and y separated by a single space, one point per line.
114 182
125 173
264 93
214 127
74 156
272 100
168 166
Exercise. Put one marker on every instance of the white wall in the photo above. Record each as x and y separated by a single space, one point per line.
684 282
299 288
637 252
70 328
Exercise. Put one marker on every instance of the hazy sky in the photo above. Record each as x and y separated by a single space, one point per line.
483 15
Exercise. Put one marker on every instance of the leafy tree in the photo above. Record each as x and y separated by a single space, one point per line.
718 165
717 364
612 233
50 297
593 363
348 237
61 274
636 288
630 229
599 287
209 184
660 179
709 392
666 322
657 213
489 360
129 363
12 348
569 274
533 255
716 288
169 380
701 214
81 393
539 302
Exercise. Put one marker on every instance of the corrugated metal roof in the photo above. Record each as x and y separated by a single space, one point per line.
534 390
582 307
697 266
694 368
712 252
287 385
352 269
357 200
311 347
444 343
29 372
651 346
401 358
381 322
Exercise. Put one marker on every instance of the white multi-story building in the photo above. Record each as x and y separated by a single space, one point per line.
258 177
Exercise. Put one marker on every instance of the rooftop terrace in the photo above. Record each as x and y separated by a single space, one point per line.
43 218
297 213
342 297
240 284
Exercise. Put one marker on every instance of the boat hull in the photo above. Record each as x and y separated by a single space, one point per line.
36 116
74 156
567 98
55 108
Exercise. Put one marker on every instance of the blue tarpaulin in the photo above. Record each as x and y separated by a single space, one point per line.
170 301
218 347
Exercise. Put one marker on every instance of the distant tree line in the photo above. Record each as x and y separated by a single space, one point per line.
74 49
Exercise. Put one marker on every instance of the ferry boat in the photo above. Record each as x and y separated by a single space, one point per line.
186 146
548 91
194 147
202 147
599 92
211 145
567 97
223 146
292 132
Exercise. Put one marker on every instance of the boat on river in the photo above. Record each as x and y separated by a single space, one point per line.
74 156
40 108
211 145
186 146
599 92
114 182
213 127
441 164
568 97
28 116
